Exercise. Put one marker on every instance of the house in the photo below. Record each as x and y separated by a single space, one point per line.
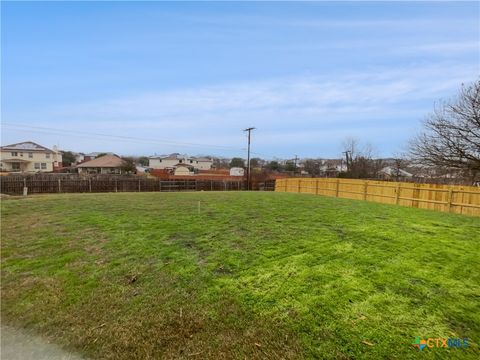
202 163
29 157
81 157
184 169
172 161
141 169
390 172
237 171
107 164
332 167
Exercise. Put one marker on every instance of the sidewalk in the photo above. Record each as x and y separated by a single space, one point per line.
20 345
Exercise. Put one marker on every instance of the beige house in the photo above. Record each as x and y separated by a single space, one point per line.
172 161
29 157
107 164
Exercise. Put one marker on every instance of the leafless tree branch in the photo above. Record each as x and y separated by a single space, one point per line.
451 135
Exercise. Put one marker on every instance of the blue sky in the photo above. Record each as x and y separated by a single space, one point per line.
187 77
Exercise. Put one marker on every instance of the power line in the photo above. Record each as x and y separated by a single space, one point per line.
99 136
47 130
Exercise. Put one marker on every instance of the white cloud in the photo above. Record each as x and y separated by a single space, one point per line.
441 48
293 110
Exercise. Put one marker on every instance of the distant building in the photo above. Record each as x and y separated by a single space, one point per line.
332 167
141 169
237 171
390 172
29 157
172 161
81 157
183 169
107 164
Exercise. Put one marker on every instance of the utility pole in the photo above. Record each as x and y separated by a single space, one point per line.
249 130
348 158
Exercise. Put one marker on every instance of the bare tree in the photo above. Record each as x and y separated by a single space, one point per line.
451 138
221 163
312 166
360 159
350 146
397 167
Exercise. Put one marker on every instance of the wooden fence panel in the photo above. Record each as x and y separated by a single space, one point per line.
448 198
75 186
42 186
13 185
351 189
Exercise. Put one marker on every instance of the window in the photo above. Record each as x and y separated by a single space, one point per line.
30 155
15 166
180 161
47 156
160 160
191 161
14 153
44 166
37 166
21 154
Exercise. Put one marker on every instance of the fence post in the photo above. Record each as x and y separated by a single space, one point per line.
449 200
138 185
397 195
317 183
90 184
299 185
116 185
211 185
25 189
336 189
59 185
160 185
365 185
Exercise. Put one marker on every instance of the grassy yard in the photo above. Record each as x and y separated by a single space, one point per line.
252 275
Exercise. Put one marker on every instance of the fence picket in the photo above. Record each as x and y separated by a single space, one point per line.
453 198
14 185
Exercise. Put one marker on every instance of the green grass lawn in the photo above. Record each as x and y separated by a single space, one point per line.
253 275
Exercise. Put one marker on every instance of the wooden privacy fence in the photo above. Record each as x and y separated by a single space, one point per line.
449 198
16 185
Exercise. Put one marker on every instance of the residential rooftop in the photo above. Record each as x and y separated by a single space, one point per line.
26 146
105 161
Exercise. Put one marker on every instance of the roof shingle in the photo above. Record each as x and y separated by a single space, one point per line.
106 161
